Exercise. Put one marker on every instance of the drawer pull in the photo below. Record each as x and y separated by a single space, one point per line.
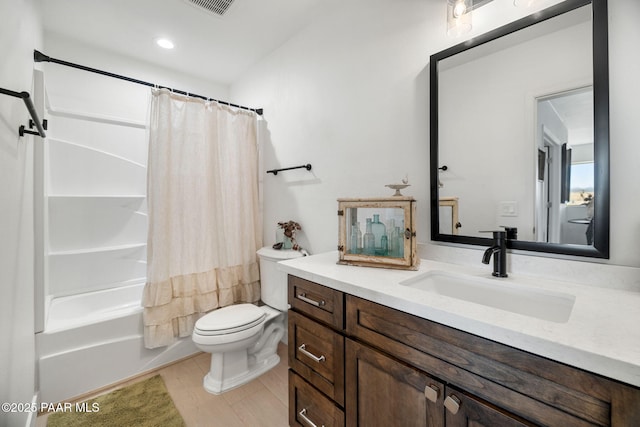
303 415
431 392
452 403
304 298
303 349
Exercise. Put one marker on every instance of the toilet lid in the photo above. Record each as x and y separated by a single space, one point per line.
230 319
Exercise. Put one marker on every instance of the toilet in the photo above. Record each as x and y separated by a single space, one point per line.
243 338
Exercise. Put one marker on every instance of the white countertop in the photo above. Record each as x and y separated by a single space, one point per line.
602 334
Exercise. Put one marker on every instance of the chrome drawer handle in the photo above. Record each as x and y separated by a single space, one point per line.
304 298
303 349
303 415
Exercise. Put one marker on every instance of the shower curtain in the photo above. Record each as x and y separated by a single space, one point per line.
204 217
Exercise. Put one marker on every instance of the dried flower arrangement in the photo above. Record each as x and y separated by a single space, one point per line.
290 228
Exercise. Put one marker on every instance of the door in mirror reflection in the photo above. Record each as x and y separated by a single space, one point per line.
565 183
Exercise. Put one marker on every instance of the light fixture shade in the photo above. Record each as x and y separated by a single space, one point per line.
459 20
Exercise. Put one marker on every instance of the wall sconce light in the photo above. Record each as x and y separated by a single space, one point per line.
459 20
459 13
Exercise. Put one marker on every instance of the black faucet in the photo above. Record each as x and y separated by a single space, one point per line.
512 232
499 252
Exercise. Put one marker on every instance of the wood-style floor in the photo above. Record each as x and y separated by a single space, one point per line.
261 403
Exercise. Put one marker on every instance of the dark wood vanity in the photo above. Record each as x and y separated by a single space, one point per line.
357 363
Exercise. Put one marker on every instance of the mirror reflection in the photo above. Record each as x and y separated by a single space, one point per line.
564 174
515 134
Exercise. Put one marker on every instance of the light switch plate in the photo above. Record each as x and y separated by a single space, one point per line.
508 209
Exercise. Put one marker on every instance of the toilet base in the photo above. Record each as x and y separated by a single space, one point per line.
244 361
218 386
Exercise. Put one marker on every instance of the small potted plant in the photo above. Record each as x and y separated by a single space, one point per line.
288 237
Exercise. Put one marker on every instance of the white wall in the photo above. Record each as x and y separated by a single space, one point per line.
19 33
624 69
350 95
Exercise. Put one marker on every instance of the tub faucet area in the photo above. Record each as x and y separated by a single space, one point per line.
499 251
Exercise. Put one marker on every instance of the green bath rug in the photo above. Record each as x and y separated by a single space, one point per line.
143 404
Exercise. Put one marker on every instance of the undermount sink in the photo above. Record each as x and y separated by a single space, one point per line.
497 293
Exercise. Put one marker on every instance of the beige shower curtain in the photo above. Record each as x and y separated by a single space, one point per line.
204 217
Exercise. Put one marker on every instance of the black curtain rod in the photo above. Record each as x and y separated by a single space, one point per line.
41 57
34 121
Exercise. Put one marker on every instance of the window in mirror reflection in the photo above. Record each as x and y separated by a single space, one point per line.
581 183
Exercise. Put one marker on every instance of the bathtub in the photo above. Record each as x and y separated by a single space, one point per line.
95 339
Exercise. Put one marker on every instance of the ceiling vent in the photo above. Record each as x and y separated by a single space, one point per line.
217 7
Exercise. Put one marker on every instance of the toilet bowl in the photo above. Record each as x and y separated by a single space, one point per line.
243 338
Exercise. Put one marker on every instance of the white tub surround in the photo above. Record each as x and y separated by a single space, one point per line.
600 335
95 339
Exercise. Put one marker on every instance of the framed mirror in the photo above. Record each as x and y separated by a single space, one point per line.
520 133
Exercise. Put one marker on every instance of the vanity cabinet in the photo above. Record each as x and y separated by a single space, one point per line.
400 369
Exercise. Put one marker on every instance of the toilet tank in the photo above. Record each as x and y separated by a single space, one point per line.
273 282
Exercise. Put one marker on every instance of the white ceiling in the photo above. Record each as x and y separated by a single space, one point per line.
576 111
216 48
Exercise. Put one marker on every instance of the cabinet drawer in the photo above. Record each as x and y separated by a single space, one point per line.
307 406
317 354
317 301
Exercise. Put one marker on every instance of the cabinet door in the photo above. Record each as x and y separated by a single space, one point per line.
463 410
381 391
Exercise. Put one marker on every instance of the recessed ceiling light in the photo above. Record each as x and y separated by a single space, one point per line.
165 43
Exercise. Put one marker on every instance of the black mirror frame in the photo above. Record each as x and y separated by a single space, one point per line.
600 248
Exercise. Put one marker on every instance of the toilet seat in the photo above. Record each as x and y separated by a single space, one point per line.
230 320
